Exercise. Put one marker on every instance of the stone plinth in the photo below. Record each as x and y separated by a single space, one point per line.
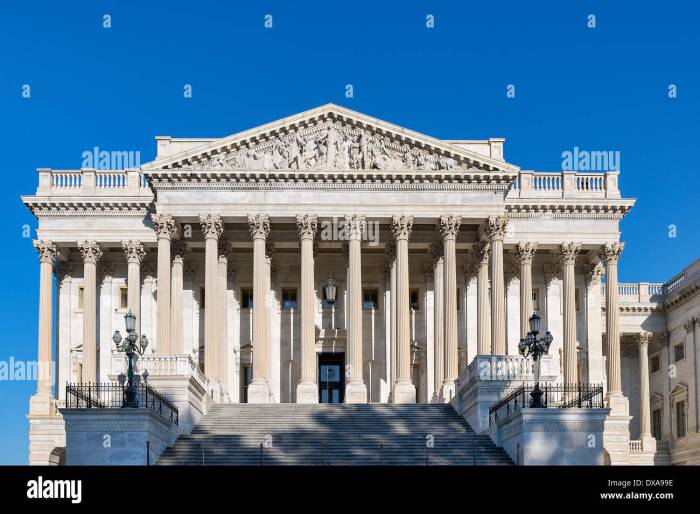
46 430
102 437
553 437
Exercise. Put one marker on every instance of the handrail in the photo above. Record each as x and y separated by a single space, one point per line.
114 396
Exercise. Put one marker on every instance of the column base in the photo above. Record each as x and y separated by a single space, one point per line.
449 391
618 404
41 404
259 391
404 392
307 392
356 392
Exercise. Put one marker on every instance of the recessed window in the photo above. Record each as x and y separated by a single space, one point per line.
535 300
654 363
246 298
289 299
680 419
656 424
81 297
678 352
414 301
123 298
370 299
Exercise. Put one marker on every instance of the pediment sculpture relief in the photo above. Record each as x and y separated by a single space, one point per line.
329 146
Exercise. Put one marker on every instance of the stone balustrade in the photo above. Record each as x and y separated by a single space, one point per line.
161 365
506 367
565 184
638 292
91 182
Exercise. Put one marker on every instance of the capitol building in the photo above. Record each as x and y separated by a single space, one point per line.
330 288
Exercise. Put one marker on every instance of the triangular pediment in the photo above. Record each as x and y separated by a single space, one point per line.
329 138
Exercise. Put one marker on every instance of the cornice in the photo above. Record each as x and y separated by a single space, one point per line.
47 208
568 209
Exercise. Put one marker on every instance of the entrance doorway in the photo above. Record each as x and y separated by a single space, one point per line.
331 377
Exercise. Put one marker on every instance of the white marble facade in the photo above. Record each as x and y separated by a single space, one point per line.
211 220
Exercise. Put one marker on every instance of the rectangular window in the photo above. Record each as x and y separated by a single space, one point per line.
123 298
81 297
656 424
680 419
536 300
678 352
370 299
414 300
246 298
289 299
654 363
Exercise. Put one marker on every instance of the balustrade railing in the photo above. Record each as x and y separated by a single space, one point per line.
115 396
565 184
155 364
92 182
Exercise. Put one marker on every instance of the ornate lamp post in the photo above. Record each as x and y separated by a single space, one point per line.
536 347
331 290
130 347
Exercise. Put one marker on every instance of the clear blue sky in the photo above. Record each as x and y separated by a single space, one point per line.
599 89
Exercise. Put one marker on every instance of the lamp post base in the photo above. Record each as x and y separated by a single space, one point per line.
536 398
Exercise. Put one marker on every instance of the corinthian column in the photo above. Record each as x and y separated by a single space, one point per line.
526 254
496 231
568 253
610 255
482 253
165 229
222 362
644 418
404 389
307 388
177 272
436 249
47 253
259 389
449 226
134 253
355 391
91 253
212 228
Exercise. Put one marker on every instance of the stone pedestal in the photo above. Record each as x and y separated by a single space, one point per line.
404 392
47 434
259 391
307 392
617 430
100 437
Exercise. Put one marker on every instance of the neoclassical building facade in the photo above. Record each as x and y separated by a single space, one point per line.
333 257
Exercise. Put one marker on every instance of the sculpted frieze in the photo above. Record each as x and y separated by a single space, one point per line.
328 145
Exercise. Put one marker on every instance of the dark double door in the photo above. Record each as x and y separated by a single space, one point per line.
331 377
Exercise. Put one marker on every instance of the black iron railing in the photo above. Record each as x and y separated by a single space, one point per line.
114 396
554 396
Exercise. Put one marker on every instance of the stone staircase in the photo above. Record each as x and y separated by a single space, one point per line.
360 434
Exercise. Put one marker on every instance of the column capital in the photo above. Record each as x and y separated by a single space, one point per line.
225 249
63 271
644 337
133 251
178 249
259 226
482 252
610 253
437 251
690 324
307 224
551 271
568 253
525 252
496 227
470 271
355 227
105 269
164 225
449 226
46 249
212 225
402 227
269 249
594 274
90 251
510 271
